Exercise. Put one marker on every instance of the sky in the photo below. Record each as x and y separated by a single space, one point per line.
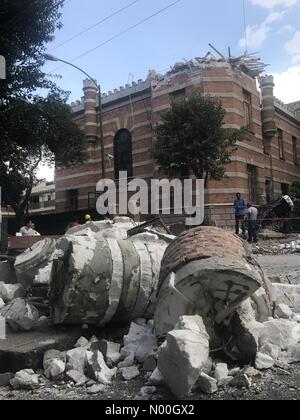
181 31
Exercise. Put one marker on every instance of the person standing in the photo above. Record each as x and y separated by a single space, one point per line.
252 214
240 208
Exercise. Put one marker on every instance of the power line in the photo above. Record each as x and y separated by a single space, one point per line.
121 33
96 24
245 25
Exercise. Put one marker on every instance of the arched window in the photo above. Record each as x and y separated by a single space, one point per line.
123 153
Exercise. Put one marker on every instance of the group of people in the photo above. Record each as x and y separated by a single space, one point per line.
245 214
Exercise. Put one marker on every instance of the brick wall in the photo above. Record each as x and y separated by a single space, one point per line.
139 106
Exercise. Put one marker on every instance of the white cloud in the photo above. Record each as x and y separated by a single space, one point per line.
287 84
257 34
285 28
270 4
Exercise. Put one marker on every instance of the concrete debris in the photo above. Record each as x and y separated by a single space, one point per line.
263 361
213 278
28 264
156 379
82 342
289 295
8 292
283 311
2 304
281 332
139 342
20 315
127 362
96 389
223 383
25 379
52 355
76 359
207 384
130 373
56 368
97 369
100 276
110 351
77 377
182 356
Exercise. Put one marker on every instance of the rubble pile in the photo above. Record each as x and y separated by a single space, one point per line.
281 246
192 306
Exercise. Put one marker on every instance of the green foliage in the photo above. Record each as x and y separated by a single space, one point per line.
295 190
191 136
32 129
26 26
32 132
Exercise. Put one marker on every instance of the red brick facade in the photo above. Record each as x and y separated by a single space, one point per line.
264 166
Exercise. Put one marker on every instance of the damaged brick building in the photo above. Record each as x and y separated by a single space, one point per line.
263 167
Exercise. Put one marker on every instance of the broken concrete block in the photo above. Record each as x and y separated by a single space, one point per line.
181 357
25 379
55 368
97 368
76 359
127 362
20 315
2 304
288 294
207 384
270 349
130 373
8 292
28 264
212 271
113 359
263 361
283 311
109 348
245 332
281 332
221 371
139 342
96 389
77 377
82 342
100 278
52 355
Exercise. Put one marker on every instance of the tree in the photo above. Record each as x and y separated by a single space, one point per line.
26 26
32 129
41 130
191 137
295 190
